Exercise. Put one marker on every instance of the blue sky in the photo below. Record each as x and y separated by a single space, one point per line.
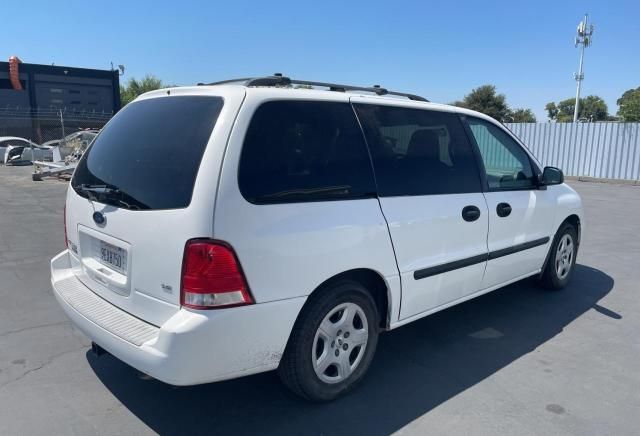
437 49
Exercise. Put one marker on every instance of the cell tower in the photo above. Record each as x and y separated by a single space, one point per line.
583 39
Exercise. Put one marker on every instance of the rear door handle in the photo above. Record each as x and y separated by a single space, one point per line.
470 213
503 209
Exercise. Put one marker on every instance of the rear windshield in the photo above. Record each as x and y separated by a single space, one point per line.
147 156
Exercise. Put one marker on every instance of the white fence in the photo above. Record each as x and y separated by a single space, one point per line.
603 150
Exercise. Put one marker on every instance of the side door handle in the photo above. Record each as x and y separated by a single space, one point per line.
503 209
470 213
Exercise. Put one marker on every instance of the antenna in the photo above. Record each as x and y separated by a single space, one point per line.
583 39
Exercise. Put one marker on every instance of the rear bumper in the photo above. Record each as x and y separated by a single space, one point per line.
192 347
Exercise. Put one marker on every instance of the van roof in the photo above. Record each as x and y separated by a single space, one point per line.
278 80
278 84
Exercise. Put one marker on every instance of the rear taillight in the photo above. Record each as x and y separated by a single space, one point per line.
64 219
212 277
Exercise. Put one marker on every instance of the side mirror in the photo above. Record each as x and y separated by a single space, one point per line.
552 176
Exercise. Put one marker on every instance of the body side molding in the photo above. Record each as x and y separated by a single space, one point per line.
462 263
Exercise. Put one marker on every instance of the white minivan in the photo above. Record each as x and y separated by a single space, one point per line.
228 229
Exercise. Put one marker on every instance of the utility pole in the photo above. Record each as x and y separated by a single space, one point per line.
583 39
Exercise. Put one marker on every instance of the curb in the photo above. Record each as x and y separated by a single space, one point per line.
628 182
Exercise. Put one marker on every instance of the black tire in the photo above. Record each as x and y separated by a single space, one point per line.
550 278
296 368
36 177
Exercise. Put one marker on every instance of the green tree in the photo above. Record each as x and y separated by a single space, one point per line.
485 99
522 116
565 110
592 108
552 110
136 87
629 105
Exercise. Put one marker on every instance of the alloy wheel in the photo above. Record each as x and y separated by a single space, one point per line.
340 342
564 256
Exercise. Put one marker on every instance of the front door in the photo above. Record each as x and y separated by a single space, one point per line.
521 216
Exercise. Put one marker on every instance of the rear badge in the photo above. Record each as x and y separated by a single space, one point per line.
167 288
98 218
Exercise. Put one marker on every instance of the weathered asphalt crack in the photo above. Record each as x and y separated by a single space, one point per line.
41 366
53 324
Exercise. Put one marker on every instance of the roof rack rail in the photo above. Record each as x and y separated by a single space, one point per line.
224 82
279 80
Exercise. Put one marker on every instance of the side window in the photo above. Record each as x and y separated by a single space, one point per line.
418 152
507 165
296 151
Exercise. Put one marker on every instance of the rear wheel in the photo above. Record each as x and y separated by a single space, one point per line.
332 343
562 258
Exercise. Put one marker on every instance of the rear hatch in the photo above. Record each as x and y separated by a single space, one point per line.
130 208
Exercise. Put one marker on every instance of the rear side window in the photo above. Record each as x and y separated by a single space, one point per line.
149 153
418 152
296 151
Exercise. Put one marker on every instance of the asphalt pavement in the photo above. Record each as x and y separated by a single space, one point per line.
520 360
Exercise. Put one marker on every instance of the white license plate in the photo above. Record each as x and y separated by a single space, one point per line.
114 257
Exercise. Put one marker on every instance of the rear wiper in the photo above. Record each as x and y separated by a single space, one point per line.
106 192
99 189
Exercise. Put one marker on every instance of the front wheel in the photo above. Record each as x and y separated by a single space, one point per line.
332 342
562 258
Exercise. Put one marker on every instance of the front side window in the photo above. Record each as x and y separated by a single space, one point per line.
297 151
506 164
418 152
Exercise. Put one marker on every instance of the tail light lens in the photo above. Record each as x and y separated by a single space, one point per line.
64 219
212 276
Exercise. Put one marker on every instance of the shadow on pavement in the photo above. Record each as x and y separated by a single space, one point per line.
416 368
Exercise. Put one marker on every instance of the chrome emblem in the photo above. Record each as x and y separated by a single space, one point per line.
98 218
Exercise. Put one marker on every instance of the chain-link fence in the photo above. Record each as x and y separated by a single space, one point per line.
43 125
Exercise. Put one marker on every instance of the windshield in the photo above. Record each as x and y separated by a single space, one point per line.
149 153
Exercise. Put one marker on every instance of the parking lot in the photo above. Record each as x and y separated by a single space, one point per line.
520 360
